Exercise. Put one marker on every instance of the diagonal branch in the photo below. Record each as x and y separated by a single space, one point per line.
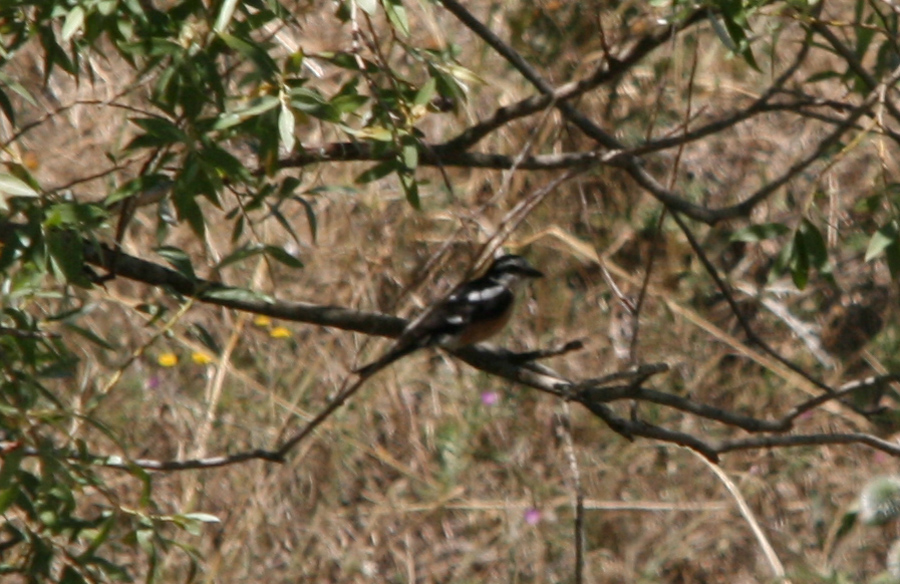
603 74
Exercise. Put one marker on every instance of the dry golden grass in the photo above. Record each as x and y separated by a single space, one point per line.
439 473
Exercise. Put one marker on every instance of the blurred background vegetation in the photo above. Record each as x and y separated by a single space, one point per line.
358 154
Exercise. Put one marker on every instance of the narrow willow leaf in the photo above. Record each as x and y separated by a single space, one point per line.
396 13
74 22
236 294
281 255
760 232
179 260
369 6
15 187
240 254
310 217
225 14
68 255
884 237
286 128
378 171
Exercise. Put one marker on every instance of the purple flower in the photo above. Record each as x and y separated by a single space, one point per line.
490 398
532 516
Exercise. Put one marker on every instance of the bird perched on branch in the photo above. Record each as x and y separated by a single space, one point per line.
473 312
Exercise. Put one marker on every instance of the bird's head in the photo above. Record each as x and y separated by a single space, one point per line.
512 269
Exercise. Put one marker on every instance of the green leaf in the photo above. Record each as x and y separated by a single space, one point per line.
346 104
734 37
190 181
161 128
880 241
238 229
396 13
845 526
293 63
179 260
147 184
464 75
7 108
224 16
225 162
53 53
338 189
206 338
18 88
426 92
816 248
378 171
15 187
68 255
145 540
310 216
760 232
348 61
377 133
799 262
410 189
369 6
236 294
822 76
892 254
264 63
285 224
155 47
98 536
288 186
312 102
286 128
242 253
74 215
71 576
74 22
189 210
722 32
91 336
203 517
253 108
864 35
10 467
282 256
8 496
410 153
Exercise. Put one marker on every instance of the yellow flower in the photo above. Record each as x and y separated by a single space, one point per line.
167 360
262 320
280 332
200 358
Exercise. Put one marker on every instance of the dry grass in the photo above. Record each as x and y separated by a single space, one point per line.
439 473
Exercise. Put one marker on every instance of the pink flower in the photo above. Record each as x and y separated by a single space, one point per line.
532 516
490 398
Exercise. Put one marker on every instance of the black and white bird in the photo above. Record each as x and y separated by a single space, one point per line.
473 312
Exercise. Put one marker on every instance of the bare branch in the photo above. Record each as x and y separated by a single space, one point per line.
789 441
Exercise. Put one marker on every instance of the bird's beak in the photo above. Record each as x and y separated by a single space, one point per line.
533 273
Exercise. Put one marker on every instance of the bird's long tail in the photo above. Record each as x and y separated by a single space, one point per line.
385 360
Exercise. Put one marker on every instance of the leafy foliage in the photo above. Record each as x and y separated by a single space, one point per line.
230 129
